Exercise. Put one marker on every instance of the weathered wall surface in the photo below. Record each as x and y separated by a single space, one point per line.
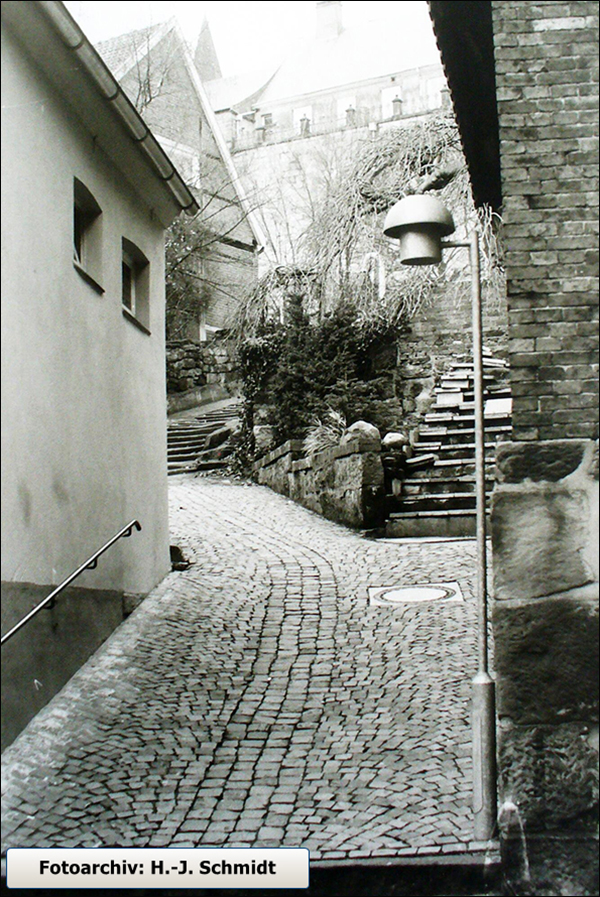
343 483
43 656
83 390
547 79
191 364
545 543
545 507
199 372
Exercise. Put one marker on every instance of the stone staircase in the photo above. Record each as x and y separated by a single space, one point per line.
200 442
437 494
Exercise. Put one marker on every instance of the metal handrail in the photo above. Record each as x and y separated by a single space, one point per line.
90 564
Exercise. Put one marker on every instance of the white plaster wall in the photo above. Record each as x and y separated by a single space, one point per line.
83 390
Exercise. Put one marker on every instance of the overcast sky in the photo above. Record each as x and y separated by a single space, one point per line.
249 35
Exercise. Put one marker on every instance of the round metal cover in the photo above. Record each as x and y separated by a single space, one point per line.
415 594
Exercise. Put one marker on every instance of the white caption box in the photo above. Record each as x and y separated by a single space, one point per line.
105 867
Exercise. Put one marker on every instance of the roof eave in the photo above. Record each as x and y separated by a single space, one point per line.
464 35
58 41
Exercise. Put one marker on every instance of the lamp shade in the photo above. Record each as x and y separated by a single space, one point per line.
419 222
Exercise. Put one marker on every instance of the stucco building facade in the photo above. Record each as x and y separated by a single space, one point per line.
86 196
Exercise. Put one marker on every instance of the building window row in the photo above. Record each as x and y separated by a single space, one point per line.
87 258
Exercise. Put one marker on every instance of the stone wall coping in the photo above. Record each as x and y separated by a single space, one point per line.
291 447
356 446
301 464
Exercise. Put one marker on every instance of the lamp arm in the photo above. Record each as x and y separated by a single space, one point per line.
455 244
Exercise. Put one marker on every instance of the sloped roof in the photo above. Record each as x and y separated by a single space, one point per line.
123 52
464 33
205 55
117 50
82 78
238 90
357 54
133 50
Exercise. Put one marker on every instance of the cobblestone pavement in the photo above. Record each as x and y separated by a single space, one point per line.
258 699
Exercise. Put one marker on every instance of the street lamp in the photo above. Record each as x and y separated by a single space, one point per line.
420 223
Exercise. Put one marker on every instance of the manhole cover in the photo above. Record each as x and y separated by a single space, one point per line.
425 593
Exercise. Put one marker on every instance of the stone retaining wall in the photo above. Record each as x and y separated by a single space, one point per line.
344 483
192 365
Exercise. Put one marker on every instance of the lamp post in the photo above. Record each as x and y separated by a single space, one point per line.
420 223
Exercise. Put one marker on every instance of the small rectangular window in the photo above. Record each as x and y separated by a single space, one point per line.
128 283
135 285
87 235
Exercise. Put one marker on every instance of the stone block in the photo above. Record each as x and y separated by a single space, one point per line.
546 659
550 461
551 774
365 433
264 438
394 441
540 533
371 470
344 484
218 437
550 864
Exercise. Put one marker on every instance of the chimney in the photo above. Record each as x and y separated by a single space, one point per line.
396 107
329 19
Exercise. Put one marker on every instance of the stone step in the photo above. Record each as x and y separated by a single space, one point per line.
488 362
443 524
182 456
175 444
438 485
457 467
455 436
225 414
438 501
194 439
176 429
454 454
424 459
194 468
465 417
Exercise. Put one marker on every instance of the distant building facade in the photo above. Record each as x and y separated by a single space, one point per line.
344 78
524 82
291 128
156 70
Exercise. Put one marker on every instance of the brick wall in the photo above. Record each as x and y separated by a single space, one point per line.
547 89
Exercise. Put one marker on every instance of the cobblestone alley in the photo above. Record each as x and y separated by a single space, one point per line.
259 699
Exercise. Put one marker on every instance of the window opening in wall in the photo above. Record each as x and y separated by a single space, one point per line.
87 235
128 283
135 285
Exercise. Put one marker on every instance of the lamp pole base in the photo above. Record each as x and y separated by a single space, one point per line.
484 757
